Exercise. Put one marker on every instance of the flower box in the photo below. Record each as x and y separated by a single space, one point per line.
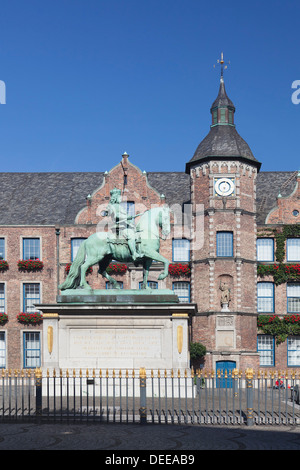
30 318
281 272
30 265
116 268
68 267
3 318
179 269
3 265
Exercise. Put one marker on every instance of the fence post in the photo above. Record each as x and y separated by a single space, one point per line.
235 374
38 393
249 385
143 406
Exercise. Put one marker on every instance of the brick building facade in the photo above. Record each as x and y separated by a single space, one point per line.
231 224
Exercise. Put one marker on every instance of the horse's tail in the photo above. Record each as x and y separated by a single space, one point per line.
73 277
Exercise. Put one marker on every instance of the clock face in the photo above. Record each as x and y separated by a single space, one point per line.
224 186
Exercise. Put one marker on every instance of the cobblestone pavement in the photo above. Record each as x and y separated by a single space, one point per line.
151 437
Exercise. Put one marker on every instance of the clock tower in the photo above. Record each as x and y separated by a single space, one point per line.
223 175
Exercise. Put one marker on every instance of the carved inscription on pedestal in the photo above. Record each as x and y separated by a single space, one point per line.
119 342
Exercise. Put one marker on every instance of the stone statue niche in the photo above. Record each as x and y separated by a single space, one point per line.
225 286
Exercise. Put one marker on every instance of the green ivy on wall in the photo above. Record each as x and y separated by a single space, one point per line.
281 272
288 231
278 327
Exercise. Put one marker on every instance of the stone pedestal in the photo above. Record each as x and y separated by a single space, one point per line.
116 335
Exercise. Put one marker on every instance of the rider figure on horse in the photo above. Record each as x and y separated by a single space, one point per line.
124 227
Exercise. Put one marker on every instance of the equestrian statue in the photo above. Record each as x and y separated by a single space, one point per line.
127 242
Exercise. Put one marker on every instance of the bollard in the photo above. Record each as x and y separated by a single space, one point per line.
143 407
38 393
249 385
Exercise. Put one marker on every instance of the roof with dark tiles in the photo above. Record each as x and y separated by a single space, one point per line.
56 198
222 141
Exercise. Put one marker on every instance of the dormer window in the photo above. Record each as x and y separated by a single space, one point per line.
222 115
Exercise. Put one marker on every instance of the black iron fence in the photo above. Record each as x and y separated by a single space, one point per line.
204 397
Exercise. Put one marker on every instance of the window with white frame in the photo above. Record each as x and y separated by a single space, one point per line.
265 297
293 351
293 249
293 297
182 290
181 249
31 248
2 349
224 244
265 348
75 244
2 297
2 248
150 284
265 249
31 350
31 296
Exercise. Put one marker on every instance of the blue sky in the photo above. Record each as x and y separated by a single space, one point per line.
87 80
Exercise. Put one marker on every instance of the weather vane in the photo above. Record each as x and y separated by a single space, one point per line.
221 63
